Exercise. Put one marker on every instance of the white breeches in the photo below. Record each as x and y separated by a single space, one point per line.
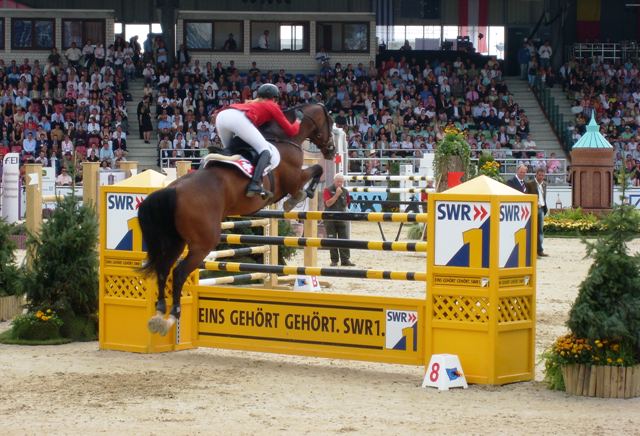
233 122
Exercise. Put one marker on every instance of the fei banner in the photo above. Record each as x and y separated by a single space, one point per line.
11 187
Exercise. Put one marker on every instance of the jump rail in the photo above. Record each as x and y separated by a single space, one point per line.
229 225
316 271
245 251
346 216
232 280
287 241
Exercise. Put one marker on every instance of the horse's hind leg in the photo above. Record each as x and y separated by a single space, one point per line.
180 273
156 323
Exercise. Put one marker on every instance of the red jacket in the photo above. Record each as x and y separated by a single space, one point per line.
261 112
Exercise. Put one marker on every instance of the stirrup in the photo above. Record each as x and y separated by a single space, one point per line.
252 191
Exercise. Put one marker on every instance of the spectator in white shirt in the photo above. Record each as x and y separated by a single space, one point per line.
73 54
545 51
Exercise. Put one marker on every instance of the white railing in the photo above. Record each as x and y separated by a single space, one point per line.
556 168
614 52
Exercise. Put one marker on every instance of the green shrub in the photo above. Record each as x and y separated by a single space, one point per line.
604 320
11 276
64 273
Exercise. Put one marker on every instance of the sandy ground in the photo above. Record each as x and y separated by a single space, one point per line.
76 388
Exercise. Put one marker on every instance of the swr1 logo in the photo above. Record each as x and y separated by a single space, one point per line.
461 212
514 212
124 202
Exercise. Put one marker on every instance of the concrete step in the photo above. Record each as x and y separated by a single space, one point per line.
539 126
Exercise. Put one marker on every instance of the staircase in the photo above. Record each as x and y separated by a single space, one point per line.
145 154
564 104
539 127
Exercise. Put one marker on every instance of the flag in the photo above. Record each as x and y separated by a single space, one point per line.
588 20
473 19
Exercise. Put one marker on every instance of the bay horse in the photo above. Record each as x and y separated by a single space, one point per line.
189 212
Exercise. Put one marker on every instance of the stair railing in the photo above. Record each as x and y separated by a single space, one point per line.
552 111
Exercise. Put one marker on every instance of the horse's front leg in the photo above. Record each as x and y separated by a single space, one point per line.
315 179
312 173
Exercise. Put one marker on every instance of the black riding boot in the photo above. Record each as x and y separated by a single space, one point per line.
255 185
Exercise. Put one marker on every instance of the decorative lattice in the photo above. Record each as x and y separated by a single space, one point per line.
121 286
168 290
135 287
461 308
512 309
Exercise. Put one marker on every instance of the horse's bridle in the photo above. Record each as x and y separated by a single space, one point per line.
331 148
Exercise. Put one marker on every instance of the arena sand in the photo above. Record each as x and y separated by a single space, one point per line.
78 389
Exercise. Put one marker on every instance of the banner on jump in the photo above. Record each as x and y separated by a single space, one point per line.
515 235
123 230
462 234
323 325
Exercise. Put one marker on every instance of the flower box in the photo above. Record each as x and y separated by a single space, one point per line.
10 306
602 381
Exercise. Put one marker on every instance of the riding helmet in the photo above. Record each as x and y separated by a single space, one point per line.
268 90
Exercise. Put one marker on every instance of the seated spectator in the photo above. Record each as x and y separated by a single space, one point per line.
106 153
64 179
73 54
29 145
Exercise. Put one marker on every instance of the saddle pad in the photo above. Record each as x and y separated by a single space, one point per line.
236 160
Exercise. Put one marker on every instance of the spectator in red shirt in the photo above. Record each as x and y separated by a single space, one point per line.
336 199
243 120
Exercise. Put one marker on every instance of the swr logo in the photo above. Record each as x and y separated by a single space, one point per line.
461 212
514 212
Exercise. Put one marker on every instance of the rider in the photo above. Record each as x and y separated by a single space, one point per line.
243 120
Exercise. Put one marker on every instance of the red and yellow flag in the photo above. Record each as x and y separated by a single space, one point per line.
588 20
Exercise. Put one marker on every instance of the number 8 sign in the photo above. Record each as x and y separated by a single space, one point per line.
444 372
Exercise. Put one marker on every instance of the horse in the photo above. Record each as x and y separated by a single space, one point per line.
189 211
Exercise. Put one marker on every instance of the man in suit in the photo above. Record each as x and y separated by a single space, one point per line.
539 187
517 182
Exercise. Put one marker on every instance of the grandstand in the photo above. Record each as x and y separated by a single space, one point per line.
82 84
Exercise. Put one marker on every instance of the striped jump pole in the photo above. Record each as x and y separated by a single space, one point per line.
389 190
288 241
316 271
232 225
245 251
346 216
233 280
388 178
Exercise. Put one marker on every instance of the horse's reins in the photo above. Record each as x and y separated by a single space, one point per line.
299 146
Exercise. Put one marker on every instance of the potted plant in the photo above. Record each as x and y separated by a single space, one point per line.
452 154
601 354
488 166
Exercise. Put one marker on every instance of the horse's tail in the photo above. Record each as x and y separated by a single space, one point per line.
156 216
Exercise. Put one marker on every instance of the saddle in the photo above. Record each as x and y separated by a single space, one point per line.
239 154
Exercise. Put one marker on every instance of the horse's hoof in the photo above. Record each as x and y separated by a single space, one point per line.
289 204
156 325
